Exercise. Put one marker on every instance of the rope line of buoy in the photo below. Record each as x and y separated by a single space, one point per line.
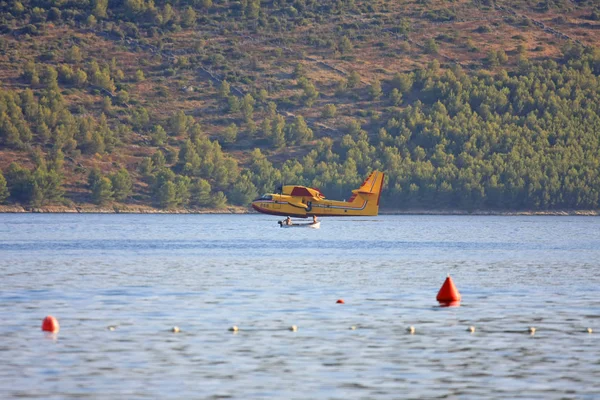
50 324
448 296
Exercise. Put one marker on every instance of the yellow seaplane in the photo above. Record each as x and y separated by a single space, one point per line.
303 202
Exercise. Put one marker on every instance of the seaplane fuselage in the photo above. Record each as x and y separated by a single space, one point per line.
301 201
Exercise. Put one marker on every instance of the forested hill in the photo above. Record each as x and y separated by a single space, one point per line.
465 104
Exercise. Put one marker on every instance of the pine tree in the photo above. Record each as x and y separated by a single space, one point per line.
189 17
200 193
182 188
353 80
20 182
224 89
375 90
102 191
218 200
230 133
167 195
278 135
3 189
158 135
243 191
121 184
396 97
47 186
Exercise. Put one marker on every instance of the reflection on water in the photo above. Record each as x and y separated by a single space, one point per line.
144 274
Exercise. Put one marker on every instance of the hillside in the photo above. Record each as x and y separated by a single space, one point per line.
464 104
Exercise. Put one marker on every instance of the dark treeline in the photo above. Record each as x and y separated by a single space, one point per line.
520 138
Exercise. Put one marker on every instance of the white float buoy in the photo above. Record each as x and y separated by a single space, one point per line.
175 329
589 330
471 329
532 330
411 329
293 328
234 329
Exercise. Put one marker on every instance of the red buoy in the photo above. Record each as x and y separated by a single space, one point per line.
340 301
448 294
50 324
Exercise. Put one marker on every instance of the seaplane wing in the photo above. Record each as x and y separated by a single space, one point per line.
301 201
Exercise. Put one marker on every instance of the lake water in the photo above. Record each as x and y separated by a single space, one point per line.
145 274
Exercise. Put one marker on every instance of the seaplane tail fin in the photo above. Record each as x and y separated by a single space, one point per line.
368 194
373 183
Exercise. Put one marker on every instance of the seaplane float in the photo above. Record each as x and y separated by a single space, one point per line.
305 202
291 224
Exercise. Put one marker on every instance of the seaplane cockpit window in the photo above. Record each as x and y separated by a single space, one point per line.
266 197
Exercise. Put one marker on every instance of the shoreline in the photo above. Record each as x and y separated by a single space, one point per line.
115 209
141 209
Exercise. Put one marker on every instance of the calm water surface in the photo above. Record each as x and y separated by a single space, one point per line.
205 273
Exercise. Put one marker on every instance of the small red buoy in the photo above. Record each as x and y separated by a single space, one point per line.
448 294
340 301
50 324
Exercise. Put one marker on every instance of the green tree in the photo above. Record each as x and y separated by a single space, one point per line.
146 167
271 109
158 135
180 123
353 80
189 158
395 97
122 184
73 54
243 191
20 182
94 177
299 131
230 133
3 189
265 128
47 186
403 82
139 76
182 187
168 14
492 59
502 57
278 135
167 195
233 104
345 45
431 47
218 200
159 160
200 193
247 106
80 78
224 89
102 191
310 92
252 8
101 77
329 111
100 7
375 90
30 73
299 71
189 17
